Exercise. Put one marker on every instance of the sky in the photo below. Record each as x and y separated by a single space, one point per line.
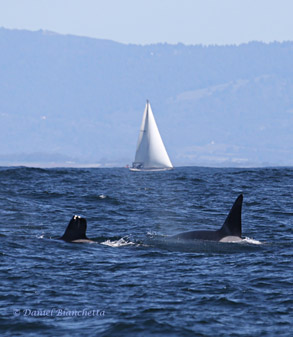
204 22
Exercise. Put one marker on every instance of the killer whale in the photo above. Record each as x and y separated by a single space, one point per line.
76 230
231 230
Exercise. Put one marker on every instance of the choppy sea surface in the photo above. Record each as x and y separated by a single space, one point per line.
134 281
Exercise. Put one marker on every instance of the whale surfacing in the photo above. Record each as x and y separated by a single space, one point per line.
230 231
76 230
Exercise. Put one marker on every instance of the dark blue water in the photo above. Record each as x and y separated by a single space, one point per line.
133 281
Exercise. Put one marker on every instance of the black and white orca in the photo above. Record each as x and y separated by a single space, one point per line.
76 230
230 231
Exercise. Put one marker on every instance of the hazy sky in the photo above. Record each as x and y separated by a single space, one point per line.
152 21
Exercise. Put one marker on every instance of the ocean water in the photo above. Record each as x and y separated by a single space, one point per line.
133 281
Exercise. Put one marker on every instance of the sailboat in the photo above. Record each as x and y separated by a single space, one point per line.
151 154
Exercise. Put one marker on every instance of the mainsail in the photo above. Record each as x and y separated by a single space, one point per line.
150 153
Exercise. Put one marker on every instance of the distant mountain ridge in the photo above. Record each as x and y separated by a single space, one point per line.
83 99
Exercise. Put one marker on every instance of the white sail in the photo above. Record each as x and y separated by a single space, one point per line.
151 153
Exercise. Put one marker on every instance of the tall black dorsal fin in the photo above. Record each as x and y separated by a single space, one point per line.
76 229
232 224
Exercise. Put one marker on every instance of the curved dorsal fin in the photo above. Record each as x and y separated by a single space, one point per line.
232 224
75 230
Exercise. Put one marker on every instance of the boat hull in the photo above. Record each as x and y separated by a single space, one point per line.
133 169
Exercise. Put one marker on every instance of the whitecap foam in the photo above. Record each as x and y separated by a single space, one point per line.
252 241
118 243
153 234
